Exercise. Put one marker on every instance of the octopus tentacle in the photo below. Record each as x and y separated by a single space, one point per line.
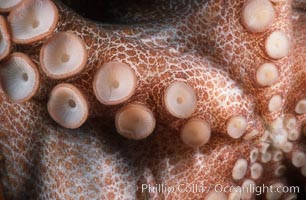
218 77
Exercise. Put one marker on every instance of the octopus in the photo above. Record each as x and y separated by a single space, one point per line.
180 99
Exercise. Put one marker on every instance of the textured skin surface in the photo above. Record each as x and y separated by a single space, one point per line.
204 45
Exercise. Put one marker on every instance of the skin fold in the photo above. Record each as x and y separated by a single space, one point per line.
201 43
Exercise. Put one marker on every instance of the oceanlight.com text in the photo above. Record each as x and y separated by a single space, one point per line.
198 188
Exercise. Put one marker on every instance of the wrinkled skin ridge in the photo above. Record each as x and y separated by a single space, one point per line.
202 43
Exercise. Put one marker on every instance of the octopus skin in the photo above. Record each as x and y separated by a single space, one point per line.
209 98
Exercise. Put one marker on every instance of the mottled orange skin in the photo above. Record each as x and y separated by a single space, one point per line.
206 47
